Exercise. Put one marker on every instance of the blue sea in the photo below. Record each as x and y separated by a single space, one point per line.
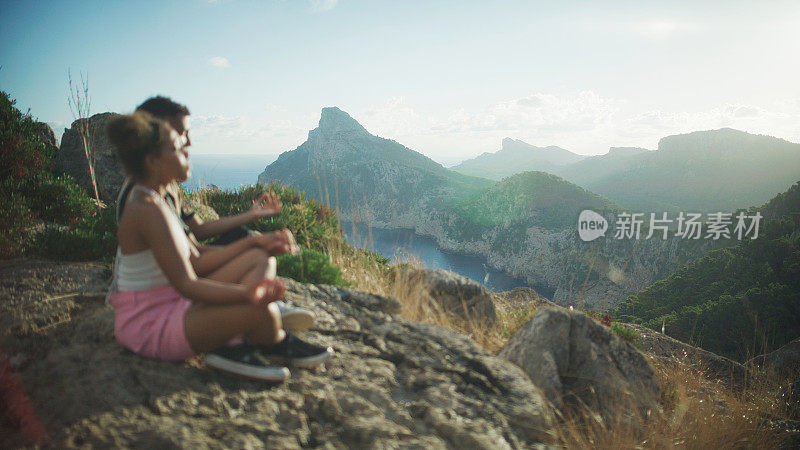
226 171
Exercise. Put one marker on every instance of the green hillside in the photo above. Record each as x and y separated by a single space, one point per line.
734 301
542 199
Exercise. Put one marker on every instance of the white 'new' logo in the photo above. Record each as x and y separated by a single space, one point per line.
591 225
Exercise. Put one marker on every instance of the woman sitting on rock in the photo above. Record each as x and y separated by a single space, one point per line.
162 309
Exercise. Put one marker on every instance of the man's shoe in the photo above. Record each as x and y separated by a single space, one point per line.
242 359
293 351
295 319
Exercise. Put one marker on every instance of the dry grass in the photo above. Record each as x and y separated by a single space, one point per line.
694 412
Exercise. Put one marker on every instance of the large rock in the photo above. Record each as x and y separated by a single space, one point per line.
457 294
392 383
71 158
519 298
47 135
577 361
783 362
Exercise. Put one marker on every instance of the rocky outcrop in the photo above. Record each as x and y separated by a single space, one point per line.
783 362
577 361
519 298
47 135
560 261
71 159
205 212
669 350
456 294
392 383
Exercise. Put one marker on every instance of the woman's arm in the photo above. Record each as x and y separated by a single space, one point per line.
267 205
162 236
205 230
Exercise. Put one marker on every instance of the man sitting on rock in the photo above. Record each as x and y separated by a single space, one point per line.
232 237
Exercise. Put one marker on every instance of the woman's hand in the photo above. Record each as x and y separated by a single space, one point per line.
278 242
267 205
268 289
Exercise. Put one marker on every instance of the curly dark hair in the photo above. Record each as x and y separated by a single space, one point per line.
134 137
163 107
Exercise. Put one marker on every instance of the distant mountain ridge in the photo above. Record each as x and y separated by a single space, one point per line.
516 156
703 171
362 174
523 225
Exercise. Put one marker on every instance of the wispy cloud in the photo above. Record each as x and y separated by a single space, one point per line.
318 6
219 61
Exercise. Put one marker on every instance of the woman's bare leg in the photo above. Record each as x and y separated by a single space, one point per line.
209 327
249 267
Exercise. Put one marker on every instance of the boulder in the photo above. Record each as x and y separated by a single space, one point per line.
456 294
783 362
47 135
392 383
71 159
519 298
204 211
577 361
669 350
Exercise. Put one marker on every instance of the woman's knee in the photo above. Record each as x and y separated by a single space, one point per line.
257 255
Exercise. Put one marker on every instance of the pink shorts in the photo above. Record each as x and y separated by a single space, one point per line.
150 322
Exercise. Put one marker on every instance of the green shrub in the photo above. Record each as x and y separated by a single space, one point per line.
30 194
58 199
15 224
92 238
314 225
628 335
310 266
22 152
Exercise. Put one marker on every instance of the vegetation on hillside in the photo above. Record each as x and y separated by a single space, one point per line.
736 301
539 198
41 213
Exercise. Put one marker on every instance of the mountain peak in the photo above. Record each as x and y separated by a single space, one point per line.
334 119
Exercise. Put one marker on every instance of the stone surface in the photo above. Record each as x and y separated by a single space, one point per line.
519 298
205 212
577 361
392 383
71 158
783 362
47 135
457 294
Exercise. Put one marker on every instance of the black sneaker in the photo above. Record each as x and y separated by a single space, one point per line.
242 359
296 352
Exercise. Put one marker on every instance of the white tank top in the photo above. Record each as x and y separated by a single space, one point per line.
140 270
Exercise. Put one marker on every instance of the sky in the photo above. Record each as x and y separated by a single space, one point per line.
449 79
